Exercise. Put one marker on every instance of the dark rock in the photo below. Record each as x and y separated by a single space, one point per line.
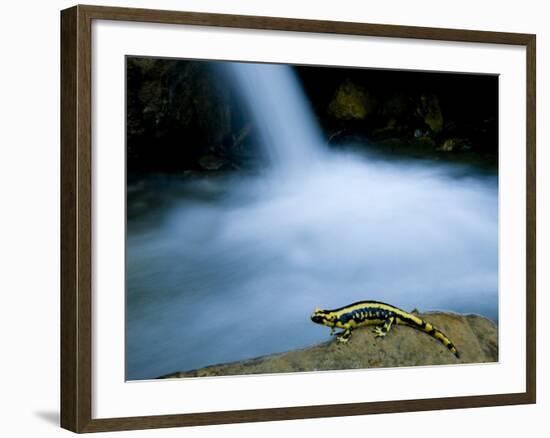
178 112
453 144
430 111
351 102
212 162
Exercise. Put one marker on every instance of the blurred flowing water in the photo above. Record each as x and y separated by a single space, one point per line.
273 96
230 268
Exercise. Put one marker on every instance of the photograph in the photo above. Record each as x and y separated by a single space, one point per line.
308 218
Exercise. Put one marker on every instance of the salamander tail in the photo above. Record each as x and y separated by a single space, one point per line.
439 335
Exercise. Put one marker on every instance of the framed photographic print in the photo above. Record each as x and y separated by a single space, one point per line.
282 209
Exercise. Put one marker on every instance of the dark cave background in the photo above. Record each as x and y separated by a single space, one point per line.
184 115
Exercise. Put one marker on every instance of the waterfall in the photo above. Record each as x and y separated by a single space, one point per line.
289 133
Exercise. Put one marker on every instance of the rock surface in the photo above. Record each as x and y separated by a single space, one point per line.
350 102
475 337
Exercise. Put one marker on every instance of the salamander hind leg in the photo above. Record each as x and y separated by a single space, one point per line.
344 336
381 331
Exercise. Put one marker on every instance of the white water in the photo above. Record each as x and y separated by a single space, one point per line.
282 116
231 268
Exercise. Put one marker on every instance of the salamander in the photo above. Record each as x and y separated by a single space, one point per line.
382 315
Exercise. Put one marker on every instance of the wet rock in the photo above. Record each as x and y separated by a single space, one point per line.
475 337
212 162
452 144
351 102
430 111
177 112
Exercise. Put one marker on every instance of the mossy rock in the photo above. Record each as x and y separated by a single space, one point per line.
351 102
452 144
430 111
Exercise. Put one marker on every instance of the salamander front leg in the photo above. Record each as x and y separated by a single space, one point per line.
344 336
382 331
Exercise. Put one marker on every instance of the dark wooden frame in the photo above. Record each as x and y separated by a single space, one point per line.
76 225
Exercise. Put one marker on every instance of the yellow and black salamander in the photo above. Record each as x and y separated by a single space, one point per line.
382 315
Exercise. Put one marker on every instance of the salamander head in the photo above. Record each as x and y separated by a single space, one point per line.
324 317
